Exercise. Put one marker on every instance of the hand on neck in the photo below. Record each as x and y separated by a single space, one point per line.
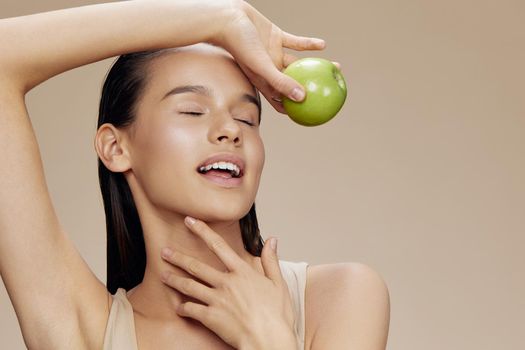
154 299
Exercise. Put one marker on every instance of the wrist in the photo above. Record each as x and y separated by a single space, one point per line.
220 31
281 338
272 344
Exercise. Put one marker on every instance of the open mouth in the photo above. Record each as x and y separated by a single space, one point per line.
221 169
225 168
227 177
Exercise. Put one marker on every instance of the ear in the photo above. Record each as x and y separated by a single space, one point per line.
110 145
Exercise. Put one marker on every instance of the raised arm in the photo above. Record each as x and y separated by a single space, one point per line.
40 46
59 302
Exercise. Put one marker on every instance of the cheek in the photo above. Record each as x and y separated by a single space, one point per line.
257 156
164 166
263 154
168 147
164 158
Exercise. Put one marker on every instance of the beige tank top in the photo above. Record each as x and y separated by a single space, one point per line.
120 329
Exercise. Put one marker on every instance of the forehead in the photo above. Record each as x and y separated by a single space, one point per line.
200 64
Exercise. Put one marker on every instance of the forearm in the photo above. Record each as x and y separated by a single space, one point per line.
37 47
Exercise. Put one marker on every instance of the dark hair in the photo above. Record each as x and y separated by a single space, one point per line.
126 253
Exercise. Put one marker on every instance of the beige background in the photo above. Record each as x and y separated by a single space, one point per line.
421 176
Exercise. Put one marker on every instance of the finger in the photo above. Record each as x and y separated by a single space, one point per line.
270 262
193 310
337 64
209 316
286 85
189 287
278 106
260 64
281 84
193 266
275 100
271 95
216 243
301 43
288 59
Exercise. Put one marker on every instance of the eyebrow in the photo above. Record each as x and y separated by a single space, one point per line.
196 89
205 91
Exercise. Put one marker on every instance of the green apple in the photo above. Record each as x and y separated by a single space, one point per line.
325 91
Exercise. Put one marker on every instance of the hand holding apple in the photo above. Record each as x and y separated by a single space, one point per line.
325 91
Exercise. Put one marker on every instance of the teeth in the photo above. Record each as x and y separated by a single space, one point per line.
221 165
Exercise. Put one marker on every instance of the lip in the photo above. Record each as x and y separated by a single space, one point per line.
222 181
225 157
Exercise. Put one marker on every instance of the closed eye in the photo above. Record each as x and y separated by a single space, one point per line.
192 113
199 113
247 122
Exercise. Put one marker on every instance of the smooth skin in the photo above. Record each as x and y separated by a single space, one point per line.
347 305
159 155
238 302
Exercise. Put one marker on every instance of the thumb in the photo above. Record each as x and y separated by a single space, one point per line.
286 85
260 63
254 56
270 261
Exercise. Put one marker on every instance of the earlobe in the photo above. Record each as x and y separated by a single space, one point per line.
111 148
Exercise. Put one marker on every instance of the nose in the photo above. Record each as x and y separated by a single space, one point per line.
225 129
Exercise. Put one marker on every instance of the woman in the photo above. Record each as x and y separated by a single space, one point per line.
173 112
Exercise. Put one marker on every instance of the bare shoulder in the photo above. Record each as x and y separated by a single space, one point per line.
347 306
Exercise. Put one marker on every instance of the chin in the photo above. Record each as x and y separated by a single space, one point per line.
222 212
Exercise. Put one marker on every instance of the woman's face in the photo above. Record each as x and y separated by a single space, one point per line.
196 104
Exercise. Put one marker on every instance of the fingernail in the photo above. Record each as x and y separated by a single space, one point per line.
166 252
273 244
189 220
319 41
297 95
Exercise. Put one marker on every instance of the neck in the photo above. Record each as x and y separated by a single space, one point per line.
152 298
